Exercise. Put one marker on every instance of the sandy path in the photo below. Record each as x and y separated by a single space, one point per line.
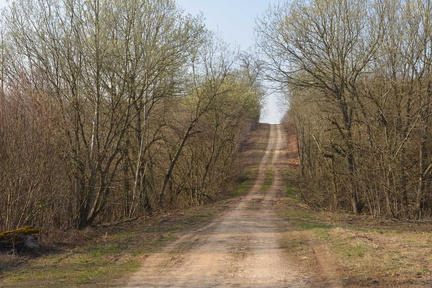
239 249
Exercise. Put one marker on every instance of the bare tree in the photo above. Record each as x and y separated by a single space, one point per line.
358 76
141 103
323 46
105 64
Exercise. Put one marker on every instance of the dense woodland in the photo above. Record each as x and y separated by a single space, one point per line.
116 109
358 74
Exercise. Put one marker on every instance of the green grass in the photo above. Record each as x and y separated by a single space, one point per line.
268 180
72 269
290 185
242 188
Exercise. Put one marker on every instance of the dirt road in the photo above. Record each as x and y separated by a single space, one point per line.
239 249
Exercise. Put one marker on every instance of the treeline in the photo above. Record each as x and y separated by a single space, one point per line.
359 78
116 109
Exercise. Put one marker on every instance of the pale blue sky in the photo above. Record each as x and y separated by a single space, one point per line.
234 20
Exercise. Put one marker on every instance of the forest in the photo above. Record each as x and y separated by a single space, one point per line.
131 153
111 110
358 75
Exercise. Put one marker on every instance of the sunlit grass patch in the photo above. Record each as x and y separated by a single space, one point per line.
268 180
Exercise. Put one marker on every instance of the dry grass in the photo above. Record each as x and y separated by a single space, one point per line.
358 250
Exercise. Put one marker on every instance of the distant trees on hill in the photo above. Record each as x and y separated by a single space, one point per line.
359 78
115 109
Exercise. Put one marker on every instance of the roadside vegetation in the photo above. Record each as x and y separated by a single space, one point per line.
100 256
348 250
358 78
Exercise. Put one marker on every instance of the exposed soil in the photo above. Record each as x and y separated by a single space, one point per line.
242 248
